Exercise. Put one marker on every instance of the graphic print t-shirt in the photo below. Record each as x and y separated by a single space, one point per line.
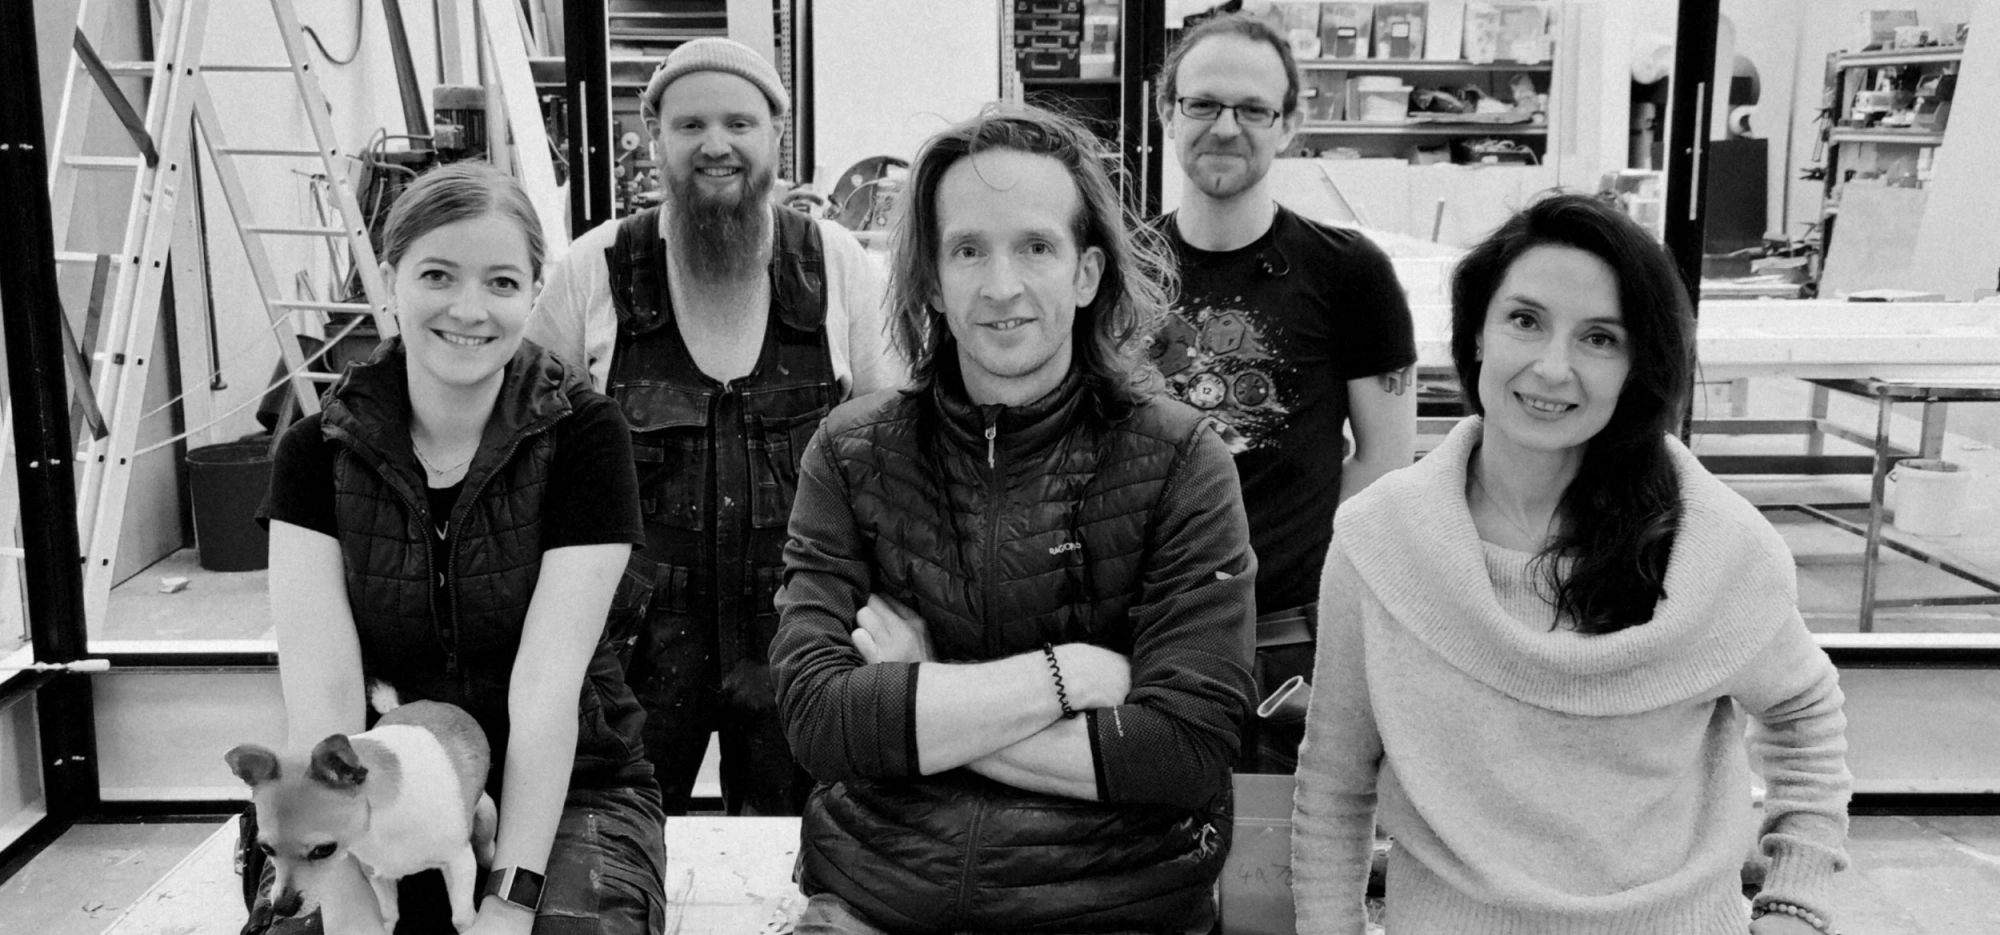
1263 340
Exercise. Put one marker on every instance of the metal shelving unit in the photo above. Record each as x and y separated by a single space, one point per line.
1423 128
1388 65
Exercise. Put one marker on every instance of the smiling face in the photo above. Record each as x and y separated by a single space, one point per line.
462 293
1221 157
1554 352
718 142
1010 274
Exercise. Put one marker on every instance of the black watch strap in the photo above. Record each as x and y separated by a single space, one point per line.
521 887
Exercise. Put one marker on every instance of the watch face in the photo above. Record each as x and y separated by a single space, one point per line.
527 889
521 887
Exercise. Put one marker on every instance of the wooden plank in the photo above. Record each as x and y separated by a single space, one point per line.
200 896
1874 240
508 49
731 876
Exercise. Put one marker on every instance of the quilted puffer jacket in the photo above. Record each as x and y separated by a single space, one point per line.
1007 528
463 651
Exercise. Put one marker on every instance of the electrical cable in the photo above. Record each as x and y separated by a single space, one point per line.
360 15
258 399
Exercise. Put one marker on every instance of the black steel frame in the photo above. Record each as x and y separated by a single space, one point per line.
587 82
43 446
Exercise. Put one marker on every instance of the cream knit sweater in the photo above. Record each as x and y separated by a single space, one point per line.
1542 781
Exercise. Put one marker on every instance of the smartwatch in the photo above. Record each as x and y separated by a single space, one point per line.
521 887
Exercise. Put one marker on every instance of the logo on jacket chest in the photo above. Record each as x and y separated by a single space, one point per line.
1065 547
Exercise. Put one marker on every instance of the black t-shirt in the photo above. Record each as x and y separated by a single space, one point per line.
592 496
1264 339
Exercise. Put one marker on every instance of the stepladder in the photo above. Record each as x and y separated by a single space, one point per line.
178 133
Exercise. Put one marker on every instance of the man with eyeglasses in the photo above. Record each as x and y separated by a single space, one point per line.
1287 331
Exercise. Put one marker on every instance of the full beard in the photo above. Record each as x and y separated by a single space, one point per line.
720 238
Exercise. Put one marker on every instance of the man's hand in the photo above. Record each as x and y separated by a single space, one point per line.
886 631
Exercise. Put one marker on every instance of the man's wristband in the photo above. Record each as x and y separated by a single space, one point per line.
521 887
1055 669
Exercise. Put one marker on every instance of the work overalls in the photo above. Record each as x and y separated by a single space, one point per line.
718 468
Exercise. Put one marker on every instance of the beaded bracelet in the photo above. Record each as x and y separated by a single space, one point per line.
1800 913
1062 695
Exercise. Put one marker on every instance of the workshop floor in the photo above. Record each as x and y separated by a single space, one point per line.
1911 875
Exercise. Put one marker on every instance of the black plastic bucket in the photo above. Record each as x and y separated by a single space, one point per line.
227 483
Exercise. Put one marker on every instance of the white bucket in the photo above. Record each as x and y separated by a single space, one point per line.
1929 497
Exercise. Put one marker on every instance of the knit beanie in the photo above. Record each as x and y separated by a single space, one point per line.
716 54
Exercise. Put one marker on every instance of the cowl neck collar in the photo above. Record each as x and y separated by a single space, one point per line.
1730 585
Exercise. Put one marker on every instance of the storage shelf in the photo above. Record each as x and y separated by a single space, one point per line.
1888 57
1030 79
1425 128
1406 64
1905 137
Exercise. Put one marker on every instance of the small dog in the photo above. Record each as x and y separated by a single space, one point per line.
406 796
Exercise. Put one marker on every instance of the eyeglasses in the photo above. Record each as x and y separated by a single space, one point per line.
1248 115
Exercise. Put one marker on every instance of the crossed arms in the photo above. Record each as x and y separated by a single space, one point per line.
1159 727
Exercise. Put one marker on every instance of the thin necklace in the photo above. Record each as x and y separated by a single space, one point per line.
1511 521
441 471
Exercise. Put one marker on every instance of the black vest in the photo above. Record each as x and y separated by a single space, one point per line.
719 464
464 652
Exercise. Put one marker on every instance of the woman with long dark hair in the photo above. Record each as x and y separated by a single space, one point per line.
1537 646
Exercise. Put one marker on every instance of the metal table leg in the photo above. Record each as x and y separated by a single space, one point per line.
1872 550
1815 438
1932 445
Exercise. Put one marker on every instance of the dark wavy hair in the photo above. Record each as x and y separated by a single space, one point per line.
1233 24
1623 509
1111 333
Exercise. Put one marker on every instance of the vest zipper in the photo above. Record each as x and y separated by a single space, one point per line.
466 498
994 499
965 875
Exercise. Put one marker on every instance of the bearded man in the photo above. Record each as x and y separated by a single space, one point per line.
725 328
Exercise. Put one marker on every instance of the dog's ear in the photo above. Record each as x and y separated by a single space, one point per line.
252 764
335 764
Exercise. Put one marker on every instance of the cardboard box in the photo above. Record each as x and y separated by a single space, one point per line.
1524 33
1482 32
1399 30
1255 889
1444 35
1507 32
1345 29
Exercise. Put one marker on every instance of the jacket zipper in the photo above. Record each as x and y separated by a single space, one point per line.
971 852
993 500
